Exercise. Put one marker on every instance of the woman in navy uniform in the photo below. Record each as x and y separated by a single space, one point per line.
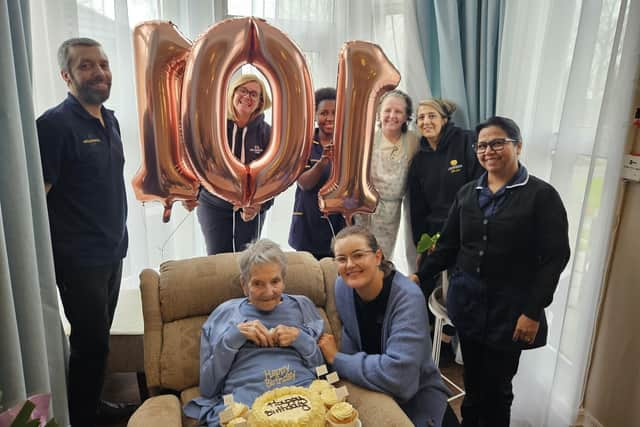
225 228
311 230
507 234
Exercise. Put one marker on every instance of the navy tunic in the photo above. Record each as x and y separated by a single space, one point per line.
506 264
87 203
311 230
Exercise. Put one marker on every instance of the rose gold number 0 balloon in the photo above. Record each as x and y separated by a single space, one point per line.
181 104
213 58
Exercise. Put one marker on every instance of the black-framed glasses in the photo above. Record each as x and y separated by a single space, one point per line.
356 256
495 144
242 91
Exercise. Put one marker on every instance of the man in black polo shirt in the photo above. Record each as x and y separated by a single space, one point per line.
82 162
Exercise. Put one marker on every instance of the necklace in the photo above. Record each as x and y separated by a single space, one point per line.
395 151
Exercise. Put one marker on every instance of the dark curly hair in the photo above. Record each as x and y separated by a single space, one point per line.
325 94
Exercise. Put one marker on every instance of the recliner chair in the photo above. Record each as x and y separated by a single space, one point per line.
178 300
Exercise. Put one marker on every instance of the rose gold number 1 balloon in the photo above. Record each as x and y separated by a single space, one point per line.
364 74
165 176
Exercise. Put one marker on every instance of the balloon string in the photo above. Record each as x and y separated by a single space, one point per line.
144 222
259 233
233 232
164 244
333 232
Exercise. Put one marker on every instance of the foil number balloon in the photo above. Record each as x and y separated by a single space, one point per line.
213 58
364 74
187 109
164 174
181 90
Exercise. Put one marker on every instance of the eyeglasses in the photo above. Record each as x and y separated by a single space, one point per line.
356 256
244 92
495 144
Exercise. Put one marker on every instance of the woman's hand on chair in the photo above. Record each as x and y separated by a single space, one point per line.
328 346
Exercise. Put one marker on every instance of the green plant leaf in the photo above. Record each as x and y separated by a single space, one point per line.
427 242
23 419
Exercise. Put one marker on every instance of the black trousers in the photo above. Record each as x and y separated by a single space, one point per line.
89 296
488 373
219 230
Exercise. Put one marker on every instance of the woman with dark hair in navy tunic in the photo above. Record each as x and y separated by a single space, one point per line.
311 230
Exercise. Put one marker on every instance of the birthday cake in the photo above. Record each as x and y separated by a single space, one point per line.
288 406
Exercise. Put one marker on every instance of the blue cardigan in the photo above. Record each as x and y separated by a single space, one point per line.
405 369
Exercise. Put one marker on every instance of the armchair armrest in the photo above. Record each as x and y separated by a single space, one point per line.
162 410
376 409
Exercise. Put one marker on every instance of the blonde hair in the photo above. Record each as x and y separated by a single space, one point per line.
263 105
444 107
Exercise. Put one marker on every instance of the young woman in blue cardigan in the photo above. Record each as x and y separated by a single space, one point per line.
386 345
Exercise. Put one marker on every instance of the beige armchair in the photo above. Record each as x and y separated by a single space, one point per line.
176 303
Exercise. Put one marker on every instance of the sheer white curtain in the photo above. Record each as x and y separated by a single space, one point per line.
319 27
566 76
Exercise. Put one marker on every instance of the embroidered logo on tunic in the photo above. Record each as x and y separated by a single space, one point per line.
274 377
256 149
455 167
90 140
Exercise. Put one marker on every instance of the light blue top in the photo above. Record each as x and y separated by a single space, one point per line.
229 363
405 369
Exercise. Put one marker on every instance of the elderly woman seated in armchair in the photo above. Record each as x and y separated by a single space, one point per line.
253 344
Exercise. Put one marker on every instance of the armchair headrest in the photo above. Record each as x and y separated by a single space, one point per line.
194 287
